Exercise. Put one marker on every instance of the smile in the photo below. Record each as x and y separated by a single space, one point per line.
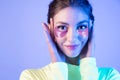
71 47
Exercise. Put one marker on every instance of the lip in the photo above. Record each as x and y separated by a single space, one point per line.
71 47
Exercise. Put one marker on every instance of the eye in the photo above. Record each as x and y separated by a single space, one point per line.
82 27
62 28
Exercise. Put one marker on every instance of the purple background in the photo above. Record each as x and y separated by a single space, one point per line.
23 45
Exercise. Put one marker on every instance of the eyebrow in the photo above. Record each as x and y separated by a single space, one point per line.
81 22
61 22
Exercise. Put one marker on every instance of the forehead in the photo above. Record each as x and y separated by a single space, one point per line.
71 15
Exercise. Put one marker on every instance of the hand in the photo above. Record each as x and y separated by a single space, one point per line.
89 48
55 55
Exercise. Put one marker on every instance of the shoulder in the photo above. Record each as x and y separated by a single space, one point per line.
30 74
34 74
108 74
45 73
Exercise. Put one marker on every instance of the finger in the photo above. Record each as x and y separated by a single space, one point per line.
91 46
88 49
49 41
46 31
52 48
93 43
48 36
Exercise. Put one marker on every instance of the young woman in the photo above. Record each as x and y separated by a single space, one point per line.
69 35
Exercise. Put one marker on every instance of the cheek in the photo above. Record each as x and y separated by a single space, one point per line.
84 33
59 34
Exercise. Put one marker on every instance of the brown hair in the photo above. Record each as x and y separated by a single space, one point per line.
56 5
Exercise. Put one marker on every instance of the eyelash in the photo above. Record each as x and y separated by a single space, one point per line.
81 27
61 28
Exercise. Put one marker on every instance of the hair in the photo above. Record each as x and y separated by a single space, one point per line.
56 5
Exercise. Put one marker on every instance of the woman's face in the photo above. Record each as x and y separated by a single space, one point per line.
71 30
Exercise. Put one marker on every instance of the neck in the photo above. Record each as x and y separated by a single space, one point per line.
73 61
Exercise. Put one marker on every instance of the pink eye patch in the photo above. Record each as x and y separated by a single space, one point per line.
59 33
83 33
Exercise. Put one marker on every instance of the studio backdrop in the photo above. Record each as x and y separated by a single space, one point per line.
22 41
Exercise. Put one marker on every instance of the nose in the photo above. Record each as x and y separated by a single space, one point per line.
72 35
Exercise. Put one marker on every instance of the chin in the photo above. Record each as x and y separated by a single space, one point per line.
72 54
